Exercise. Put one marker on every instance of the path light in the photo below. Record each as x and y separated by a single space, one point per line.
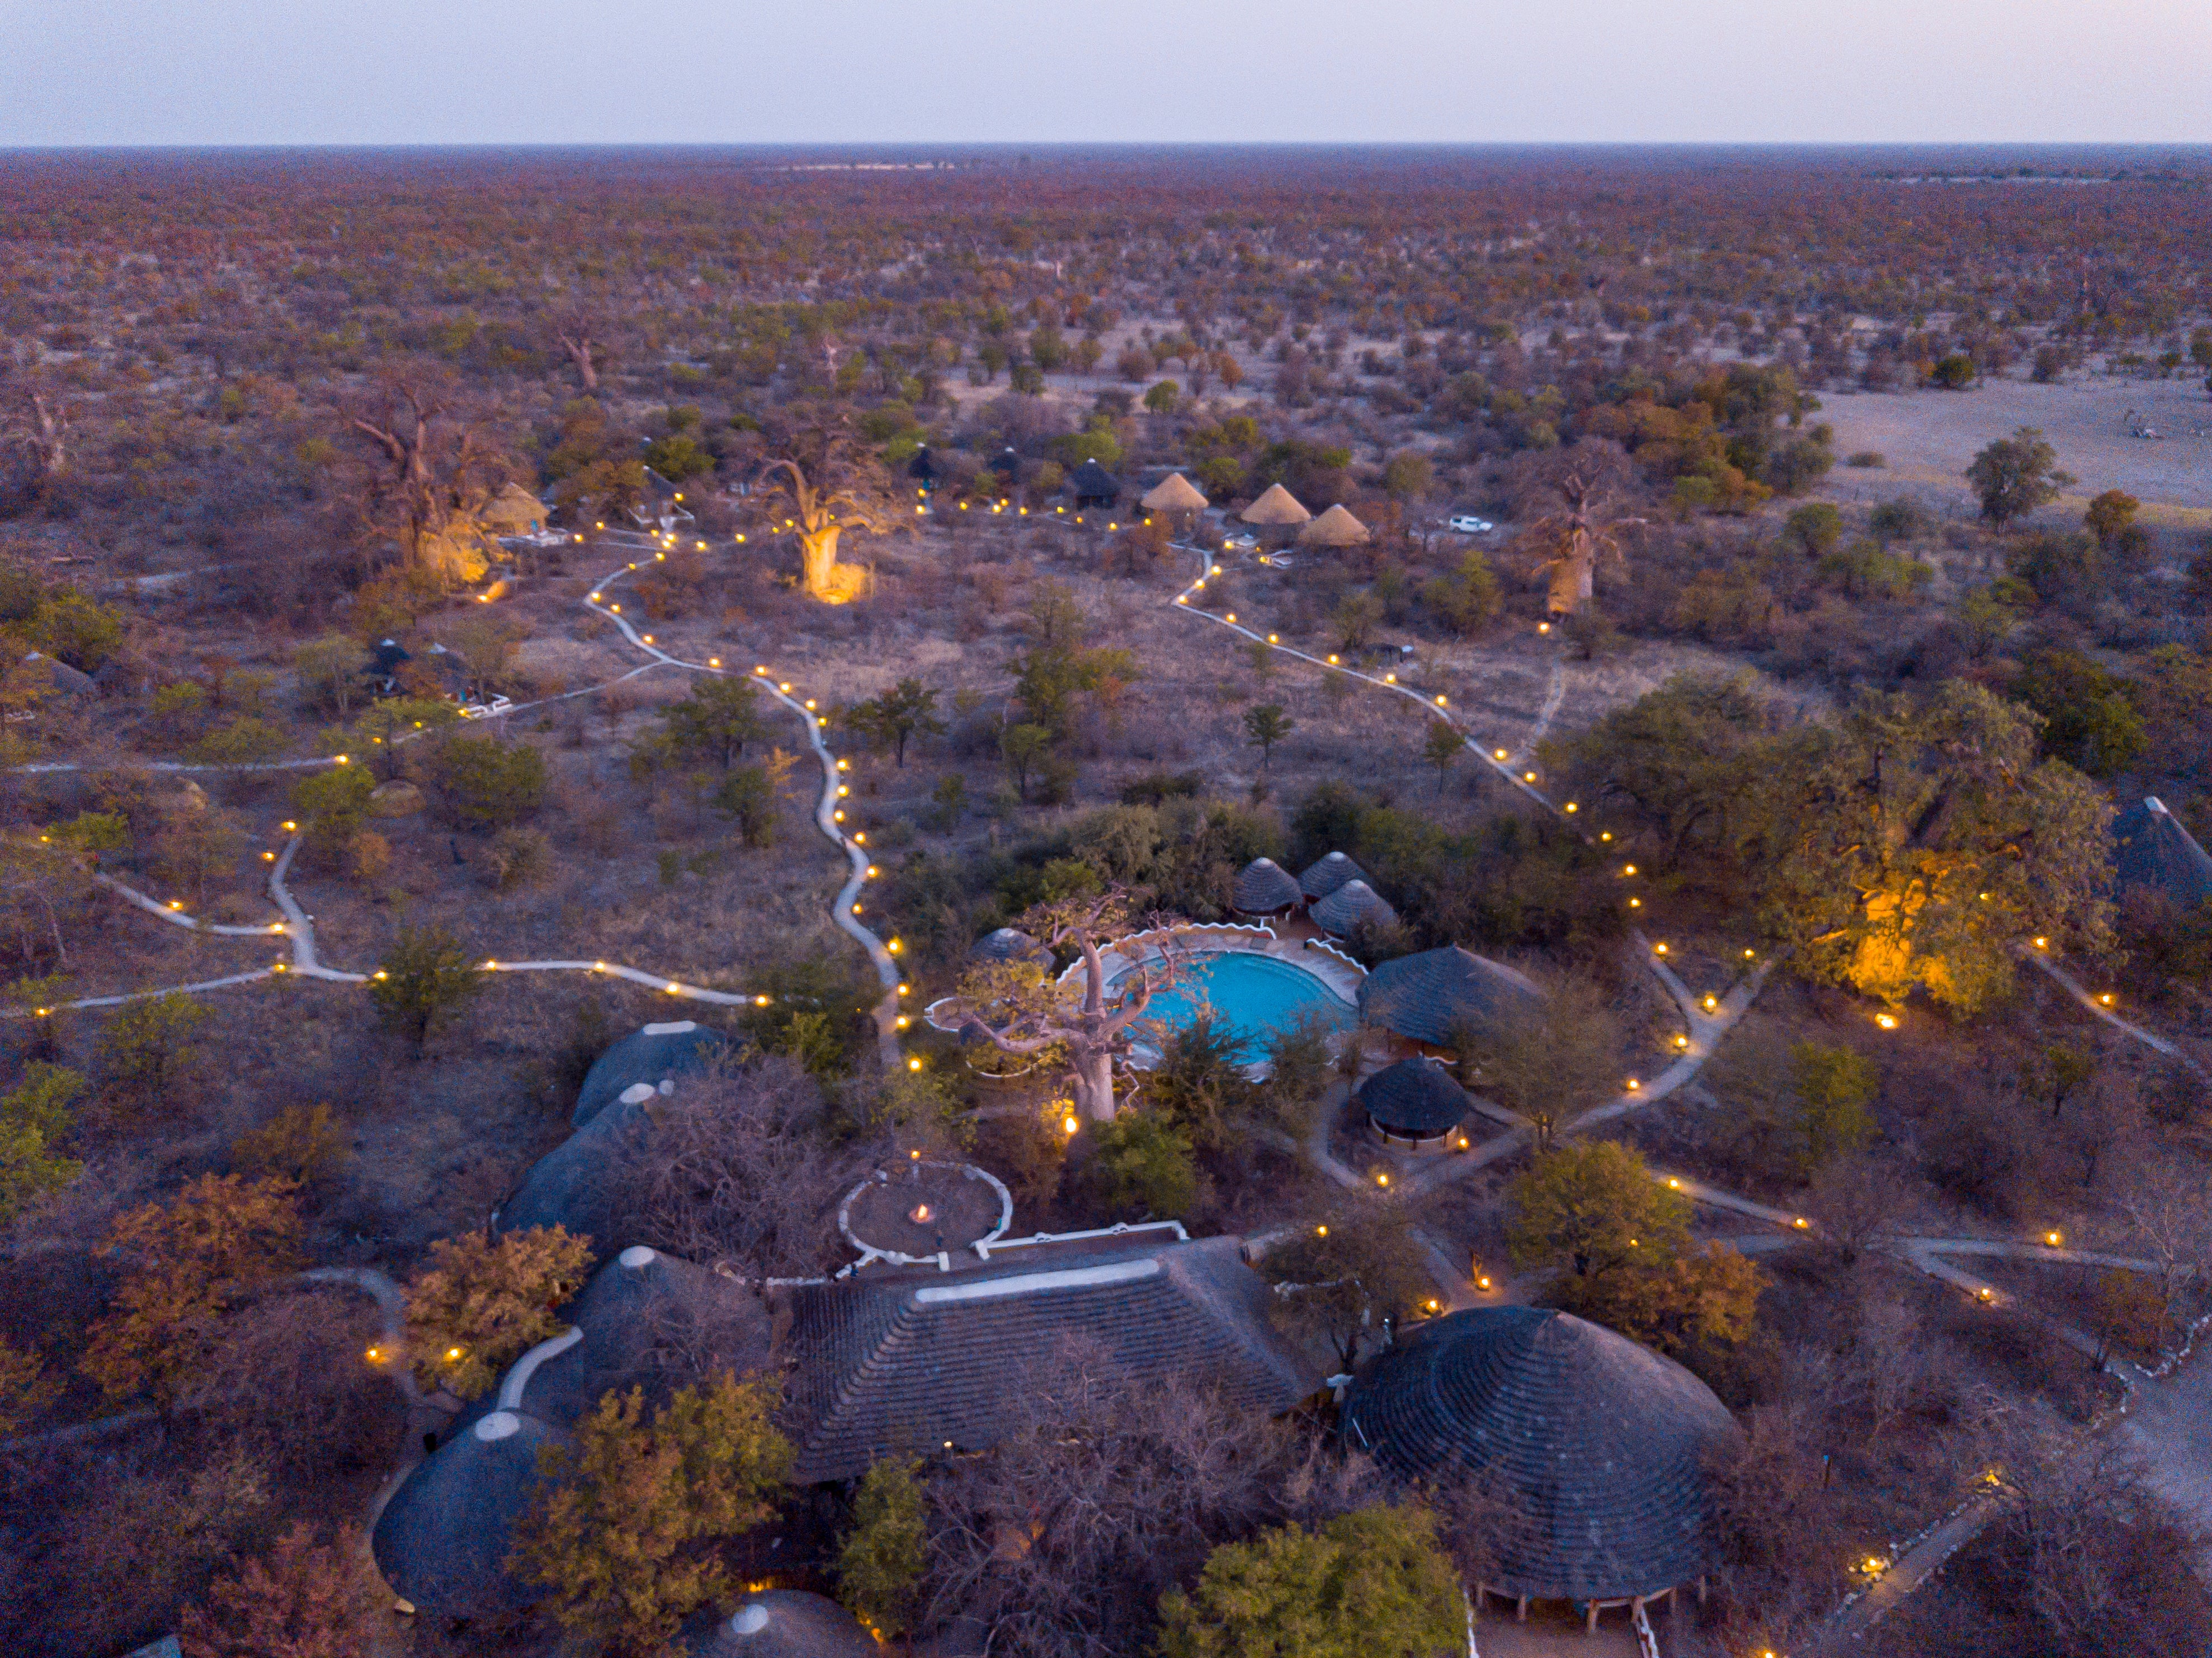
1802 1224
913 1062
1272 640
1232 615
1440 700
1746 954
598 967
291 826
1332 662
2052 1238
1069 1125
380 974
785 687
1543 626
904 990
894 946
1390 679
760 1001
1659 949
1886 1021
1711 1002
1321 1231
1527 776
1681 1041
2043 943
374 1355
1483 1282
490 966
2106 998
175 904
1628 869
809 703
267 857
595 598
1182 598
1604 835
760 670
648 639
1985 1295
1571 806
836 816
1382 1179
1636 903
1633 1085
1672 1181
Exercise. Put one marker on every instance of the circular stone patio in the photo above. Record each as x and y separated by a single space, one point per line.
916 1213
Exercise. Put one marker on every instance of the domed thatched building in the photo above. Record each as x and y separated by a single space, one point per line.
655 1054
1011 944
1336 527
1174 493
1592 1446
1352 906
1264 887
1431 996
1413 1104
2153 853
1326 877
778 1624
1277 509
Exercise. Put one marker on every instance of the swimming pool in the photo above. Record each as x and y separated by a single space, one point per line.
1251 995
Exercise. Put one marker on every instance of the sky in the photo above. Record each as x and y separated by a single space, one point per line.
291 72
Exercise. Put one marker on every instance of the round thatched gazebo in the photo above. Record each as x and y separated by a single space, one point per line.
778 1624
1592 1447
1093 485
1331 872
1277 509
1430 997
1174 493
1351 907
1264 887
1413 1104
2153 853
1335 528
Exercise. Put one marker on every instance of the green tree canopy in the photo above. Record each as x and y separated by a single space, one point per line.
2012 477
1372 1584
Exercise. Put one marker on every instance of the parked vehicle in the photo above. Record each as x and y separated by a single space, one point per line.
1468 523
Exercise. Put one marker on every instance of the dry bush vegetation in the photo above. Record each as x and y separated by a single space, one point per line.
1411 337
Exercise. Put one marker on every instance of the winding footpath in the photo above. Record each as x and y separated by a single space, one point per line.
297 927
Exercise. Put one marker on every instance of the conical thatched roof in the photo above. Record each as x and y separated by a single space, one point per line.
2151 850
442 1540
1011 944
1279 505
778 1624
1591 1447
1433 994
654 1054
1091 482
513 510
1174 493
1350 905
924 467
1413 1099
1335 528
1331 872
1264 886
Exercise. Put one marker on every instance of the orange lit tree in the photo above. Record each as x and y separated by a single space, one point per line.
820 482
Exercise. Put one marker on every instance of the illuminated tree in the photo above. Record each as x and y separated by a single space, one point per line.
439 471
482 1302
823 483
1015 1006
1582 530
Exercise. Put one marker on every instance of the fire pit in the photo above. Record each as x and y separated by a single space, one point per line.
916 1210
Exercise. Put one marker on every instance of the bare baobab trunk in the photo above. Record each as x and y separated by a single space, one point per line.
579 349
1094 1085
817 551
43 429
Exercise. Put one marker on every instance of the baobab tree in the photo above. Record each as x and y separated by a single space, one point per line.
435 475
820 483
574 332
40 427
1020 1010
1580 529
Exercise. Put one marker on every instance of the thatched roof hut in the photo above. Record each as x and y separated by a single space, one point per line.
442 1541
1011 944
2153 853
1331 872
1277 506
1264 887
1335 528
656 1055
1433 994
1592 1447
1093 485
513 512
778 1624
1174 493
1412 1100
1353 905
924 471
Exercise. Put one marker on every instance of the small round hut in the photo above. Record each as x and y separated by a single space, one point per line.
1335 528
655 1054
1351 907
1591 1447
1325 877
1009 943
442 1541
1264 887
1276 509
1174 493
2153 855
1413 1104
1093 485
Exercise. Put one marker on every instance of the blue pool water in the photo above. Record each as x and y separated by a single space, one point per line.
1253 996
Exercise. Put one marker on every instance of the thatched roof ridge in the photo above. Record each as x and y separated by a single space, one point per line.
1264 886
1277 507
1173 494
1592 1446
1335 528
1090 479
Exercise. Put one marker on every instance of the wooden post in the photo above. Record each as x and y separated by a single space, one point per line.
1589 1626
1521 1613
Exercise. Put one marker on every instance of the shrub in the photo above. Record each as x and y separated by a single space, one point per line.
518 857
482 1302
300 1142
1141 1168
424 980
148 1051
332 806
487 784
246 741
